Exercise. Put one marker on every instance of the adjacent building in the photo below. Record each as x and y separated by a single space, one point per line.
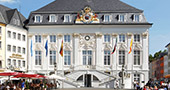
13 40
87 31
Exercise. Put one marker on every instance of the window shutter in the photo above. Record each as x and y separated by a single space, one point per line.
110 18
41 18
102 17
133 17
117 17
33 18
140 17
70 18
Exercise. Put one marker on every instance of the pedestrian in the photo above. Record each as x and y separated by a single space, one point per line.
137 86
23 84
2 87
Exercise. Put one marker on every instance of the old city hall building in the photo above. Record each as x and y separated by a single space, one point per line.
97 37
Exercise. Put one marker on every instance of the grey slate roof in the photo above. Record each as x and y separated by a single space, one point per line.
96 5
7 15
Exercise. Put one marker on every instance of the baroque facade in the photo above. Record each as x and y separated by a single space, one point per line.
89 31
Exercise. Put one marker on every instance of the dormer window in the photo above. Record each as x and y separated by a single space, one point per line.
38 18
53 18
67 18
107 18
121 18
136 18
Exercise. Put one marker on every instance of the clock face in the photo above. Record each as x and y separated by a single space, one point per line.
87 38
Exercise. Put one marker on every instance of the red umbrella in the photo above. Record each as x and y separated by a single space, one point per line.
23 75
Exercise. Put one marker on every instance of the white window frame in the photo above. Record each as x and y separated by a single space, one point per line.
14 62
86 55
38 58
65 18
23 37
50 18
38 38
67 57
14 48
19 63
14 35
35 20
136 77
9 48
107 38
0 44
9 62
9 34
109 17
107 57
120 19
137 59
67 38
23 50
53 57
0 30
23 63
137 37
122 38
122 57
53 38
19 36
135 19
19 49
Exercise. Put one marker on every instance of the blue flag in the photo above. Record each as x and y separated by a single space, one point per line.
46 47
31 49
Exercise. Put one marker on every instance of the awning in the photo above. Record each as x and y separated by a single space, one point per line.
167 76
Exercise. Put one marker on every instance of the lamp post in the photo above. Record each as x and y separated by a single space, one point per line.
123 75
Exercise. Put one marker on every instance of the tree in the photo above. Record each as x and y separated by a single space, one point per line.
151 58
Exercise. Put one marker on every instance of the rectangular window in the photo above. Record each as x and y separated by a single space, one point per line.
52 18
121 57
14 48
67 57
19 49
38 38
23 50
0 44
137 77
106 38
9 62
121 18
9 47
14 35
9 34
121 38
87 57
19 36
38 56
67 18
38 18
52 38
19 63
137 38
136 57
23 63
106 57
52 57
23 37
14 63
106 18
66 38
136 18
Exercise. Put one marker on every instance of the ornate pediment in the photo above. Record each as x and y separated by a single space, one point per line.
86 16
87 41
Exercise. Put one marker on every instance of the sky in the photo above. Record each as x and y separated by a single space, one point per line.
155 11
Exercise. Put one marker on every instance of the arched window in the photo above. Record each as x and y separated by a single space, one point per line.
80 78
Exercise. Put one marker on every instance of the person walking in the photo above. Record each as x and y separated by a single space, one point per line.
23 85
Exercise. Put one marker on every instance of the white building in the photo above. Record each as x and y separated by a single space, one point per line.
89 30
14 40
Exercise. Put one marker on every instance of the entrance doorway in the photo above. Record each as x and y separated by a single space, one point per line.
87 80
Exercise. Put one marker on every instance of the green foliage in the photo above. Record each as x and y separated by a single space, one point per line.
151 58
156 55
27 85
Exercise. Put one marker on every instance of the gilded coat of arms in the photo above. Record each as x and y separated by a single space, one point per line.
87 16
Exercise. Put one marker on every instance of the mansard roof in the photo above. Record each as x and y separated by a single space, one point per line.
8 14
96 5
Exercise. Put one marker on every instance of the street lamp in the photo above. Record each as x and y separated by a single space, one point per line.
123 75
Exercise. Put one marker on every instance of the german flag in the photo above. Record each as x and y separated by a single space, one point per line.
61 49
131 43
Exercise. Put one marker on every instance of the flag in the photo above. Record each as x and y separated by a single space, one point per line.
46 47
31 49
131 43
61 49
114 47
